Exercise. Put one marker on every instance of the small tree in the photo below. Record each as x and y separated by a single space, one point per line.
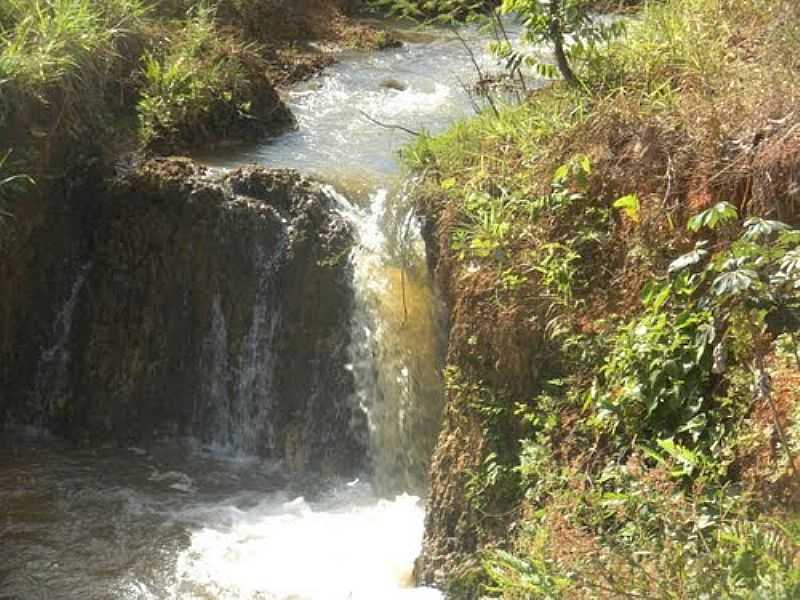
567 26
548 21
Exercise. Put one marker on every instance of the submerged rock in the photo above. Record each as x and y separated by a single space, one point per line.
215 307
394 84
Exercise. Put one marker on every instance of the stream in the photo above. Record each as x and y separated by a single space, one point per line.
183 520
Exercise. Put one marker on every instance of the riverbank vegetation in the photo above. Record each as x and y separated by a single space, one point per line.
619 258
82 76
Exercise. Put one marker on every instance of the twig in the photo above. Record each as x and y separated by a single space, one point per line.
403 251
464 43
468 92
389 125
668 193
477 68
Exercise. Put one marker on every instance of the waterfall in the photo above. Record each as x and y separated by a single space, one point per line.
394 350
241 398
250 426
243 315
51 388
215 389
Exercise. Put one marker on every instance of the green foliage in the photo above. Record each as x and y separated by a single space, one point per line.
558 268
54 39
197 80
61 55
639 441
485 227
657 396
758 561
76 71
711 218
515 577
552 22
495 483
676 47
630 206
757 277
656 380
492 226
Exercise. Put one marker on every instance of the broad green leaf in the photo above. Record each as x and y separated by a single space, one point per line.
722 212
561 173
790 263
733 283
630 206
655 294
679 453
687 260
757 228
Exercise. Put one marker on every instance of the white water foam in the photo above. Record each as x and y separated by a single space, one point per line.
350 547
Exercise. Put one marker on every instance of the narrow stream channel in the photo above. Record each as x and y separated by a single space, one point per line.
186 521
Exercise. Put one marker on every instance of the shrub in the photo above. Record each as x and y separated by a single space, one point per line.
205 85
59 57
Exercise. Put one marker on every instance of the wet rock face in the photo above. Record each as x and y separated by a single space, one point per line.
211 307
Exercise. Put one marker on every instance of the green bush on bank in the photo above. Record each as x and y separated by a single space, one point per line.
63 56
78 70
198 83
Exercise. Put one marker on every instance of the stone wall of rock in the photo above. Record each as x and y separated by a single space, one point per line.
177 303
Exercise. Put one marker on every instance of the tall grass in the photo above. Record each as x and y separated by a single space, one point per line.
59 56
52 39
72 70
199 80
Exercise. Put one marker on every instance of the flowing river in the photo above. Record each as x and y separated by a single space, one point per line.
182 520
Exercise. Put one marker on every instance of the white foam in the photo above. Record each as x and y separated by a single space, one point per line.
352 547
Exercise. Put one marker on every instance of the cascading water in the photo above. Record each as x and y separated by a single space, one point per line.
51 389
395 345
243 418
216 522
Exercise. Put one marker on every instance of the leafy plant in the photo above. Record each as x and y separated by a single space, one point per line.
530 577
63 56
197 81
656 379
630 206
552 22
485 227
711 218
558 266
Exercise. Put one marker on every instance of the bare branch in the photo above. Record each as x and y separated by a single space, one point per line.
477 68
389 125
